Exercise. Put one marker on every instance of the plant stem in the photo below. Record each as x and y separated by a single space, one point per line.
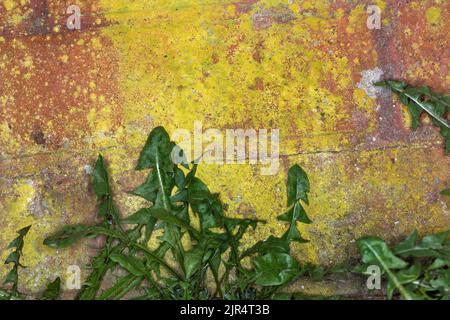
179 250
123 238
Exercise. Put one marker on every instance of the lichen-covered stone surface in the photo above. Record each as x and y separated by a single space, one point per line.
304 67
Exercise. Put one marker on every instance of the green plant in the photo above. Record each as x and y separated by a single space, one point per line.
198 241
12 279
199 245
420 100
14 257
417 270
53 290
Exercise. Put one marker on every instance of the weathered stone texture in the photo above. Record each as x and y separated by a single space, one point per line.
305 67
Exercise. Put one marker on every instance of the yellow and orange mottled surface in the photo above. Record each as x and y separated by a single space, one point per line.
304 67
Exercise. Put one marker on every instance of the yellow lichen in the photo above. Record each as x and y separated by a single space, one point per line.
9 4
18 213
433 16
196 70
64 58
186 61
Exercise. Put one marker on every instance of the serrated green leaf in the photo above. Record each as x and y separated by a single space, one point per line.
297 185
193 259
12 277
296 213
271 244
442 281
13 257
180 196
408 243
274 269
404 277
298 188
142 216
191 175
164 215
207 250
129 263
101 183
214 262
53 290
440 263
437 239
431 246
198 191
18 242
122 286
179 178
150 189
242 226
67 236
375 251
108 210
157 150
24 231
205 204
293 234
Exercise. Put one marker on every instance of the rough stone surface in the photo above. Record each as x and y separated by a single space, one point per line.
301 66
